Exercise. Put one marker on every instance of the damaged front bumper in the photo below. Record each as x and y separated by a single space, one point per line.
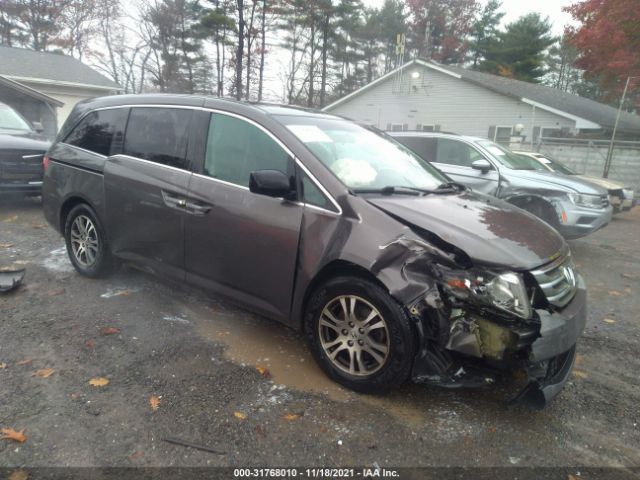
544 354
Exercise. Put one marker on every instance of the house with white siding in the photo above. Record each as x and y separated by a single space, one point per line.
44 87
427 96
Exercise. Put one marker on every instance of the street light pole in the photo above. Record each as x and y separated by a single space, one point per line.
607 163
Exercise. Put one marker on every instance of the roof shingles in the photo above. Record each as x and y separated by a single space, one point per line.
23 63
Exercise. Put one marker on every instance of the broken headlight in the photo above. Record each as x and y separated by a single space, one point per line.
584 200
504 291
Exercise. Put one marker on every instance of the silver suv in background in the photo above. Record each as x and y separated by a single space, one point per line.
620 196
572 206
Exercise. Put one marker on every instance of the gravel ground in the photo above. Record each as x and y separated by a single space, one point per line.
203 359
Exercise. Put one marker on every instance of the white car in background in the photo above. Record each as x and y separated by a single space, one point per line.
620 196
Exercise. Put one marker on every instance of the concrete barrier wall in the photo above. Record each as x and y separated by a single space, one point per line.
588 157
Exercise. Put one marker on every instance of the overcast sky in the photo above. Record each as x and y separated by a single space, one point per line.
517 8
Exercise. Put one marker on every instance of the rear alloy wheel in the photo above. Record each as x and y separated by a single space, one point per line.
360 336
86 242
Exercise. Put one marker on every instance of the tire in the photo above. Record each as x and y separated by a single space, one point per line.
94 260
364 372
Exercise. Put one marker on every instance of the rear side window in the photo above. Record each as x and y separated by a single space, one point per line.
424 147
99 131
159 135
235 148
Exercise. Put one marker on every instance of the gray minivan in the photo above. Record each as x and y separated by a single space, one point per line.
392 271
572 206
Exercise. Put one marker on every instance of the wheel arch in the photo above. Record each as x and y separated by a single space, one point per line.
335 268
526 202
68 204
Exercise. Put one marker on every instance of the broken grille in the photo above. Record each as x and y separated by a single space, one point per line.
557 281
604 201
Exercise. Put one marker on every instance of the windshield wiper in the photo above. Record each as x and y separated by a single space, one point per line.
449 186
393 190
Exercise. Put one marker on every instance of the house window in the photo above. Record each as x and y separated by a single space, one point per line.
397 127
503 135
550 132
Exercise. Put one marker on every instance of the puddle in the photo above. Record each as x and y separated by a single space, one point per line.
256 341
58 261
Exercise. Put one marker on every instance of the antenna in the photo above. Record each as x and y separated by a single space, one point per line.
401 40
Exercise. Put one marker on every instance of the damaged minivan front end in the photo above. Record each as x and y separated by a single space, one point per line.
476 323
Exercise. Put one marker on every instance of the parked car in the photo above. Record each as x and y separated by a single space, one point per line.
572 206
392 271
21 151
621 197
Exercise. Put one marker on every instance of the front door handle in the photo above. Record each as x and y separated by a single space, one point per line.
173 200
197 208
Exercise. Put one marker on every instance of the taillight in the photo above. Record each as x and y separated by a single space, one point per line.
45 163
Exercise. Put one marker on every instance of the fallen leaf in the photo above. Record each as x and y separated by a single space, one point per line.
615 293
89 343
135 456
579 359
263 371
25 362
37 226
10 219
3 366
154 402
609 320
109 331
240 415
493 429
571 477
11 434
19 475
43 373
6 245
260 431
56 292
580 374
290 417
99 381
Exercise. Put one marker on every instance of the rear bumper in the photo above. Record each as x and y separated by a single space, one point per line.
28 187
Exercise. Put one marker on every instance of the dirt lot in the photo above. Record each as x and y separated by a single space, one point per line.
198 356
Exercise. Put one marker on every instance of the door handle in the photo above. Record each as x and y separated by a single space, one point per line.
197 208
173 201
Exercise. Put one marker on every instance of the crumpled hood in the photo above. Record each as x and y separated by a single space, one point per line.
490 231
602 182
22 140
553 180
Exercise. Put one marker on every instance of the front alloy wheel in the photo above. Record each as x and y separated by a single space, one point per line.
354 335
359 335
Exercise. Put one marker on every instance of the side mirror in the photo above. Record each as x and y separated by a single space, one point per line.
272 183
37 126
482 164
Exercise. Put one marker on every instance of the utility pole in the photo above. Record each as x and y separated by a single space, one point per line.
607 163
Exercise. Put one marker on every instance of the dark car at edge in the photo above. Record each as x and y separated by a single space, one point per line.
392 271
21 151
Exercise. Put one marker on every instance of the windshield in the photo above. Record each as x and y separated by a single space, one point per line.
556 166
535 163
363 159
10 120
509 159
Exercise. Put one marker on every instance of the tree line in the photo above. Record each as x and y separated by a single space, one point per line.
309 52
